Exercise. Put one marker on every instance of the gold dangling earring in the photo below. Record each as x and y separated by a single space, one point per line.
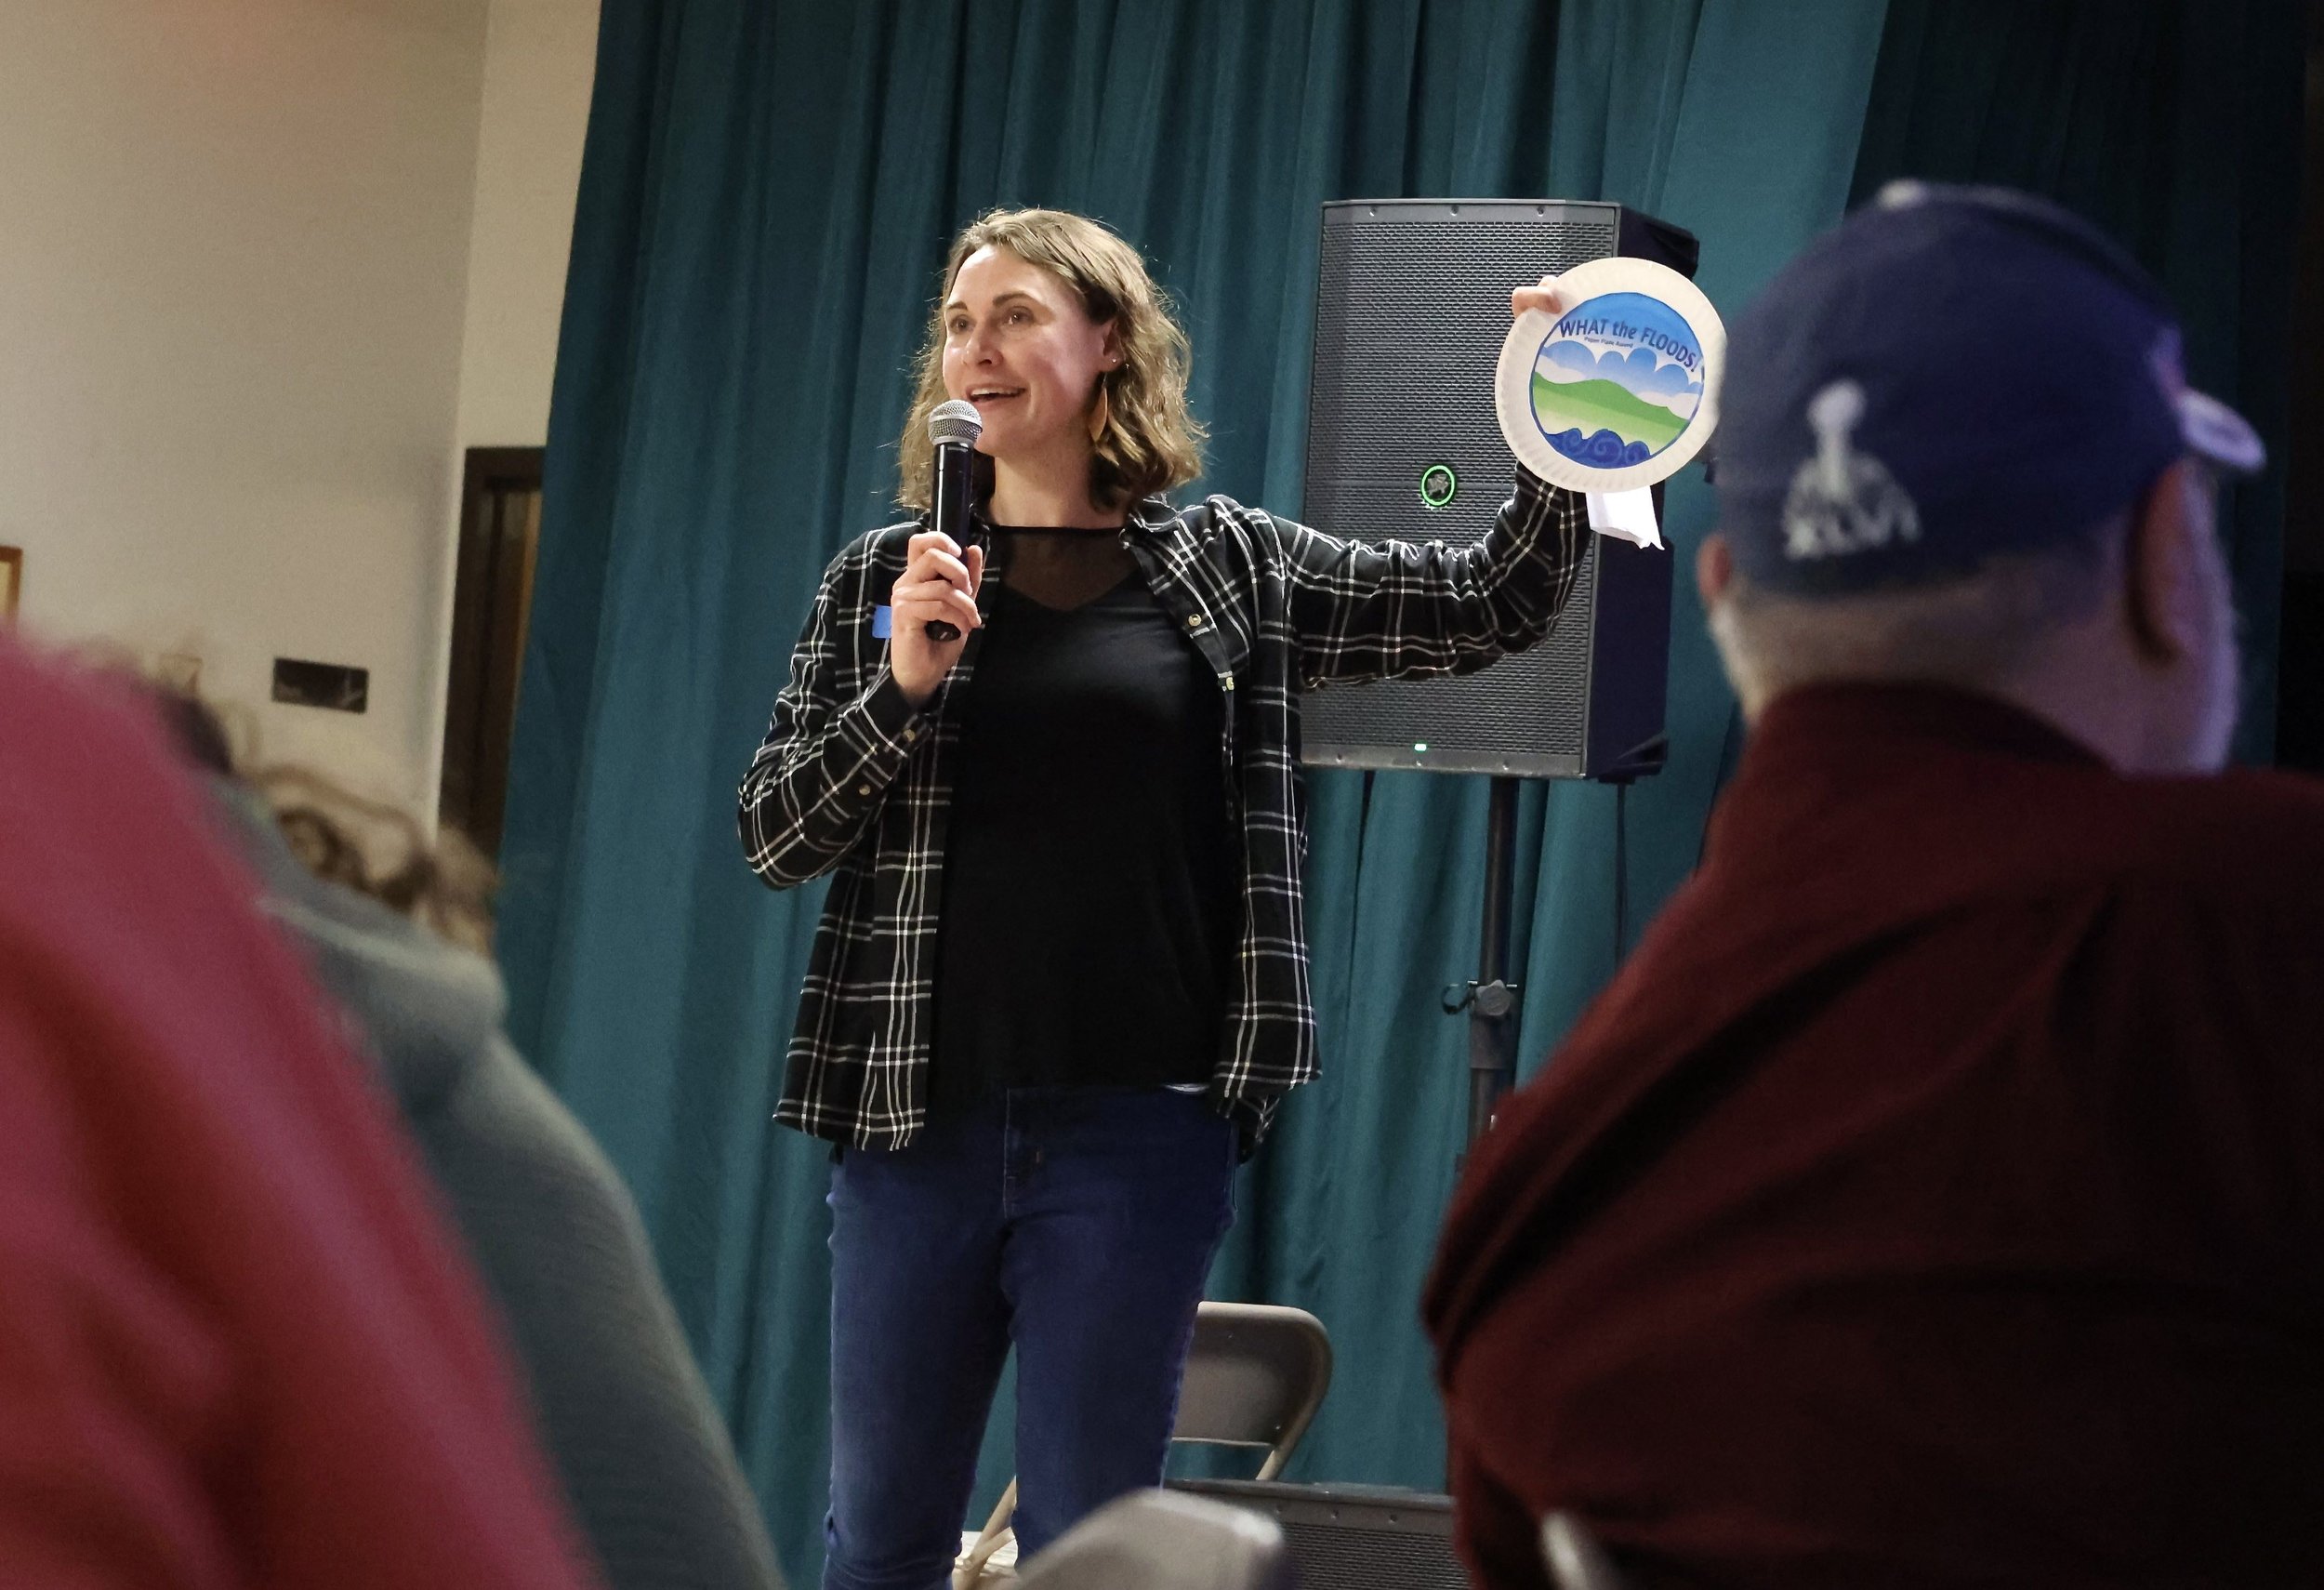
1100 412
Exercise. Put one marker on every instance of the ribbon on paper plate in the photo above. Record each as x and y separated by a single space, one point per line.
1628 514
1621 390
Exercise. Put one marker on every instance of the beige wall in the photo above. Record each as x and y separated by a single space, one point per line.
539 63
236 253
537 71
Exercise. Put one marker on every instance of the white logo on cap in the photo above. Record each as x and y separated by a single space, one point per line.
2209 428
1842 500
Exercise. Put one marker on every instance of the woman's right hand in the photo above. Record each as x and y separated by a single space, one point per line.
939 581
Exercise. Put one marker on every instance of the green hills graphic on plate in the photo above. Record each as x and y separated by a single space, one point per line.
1594 406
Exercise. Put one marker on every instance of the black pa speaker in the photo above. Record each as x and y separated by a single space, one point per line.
1402 442
1352 1537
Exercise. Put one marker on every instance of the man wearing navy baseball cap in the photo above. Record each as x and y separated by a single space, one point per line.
1956 432
1936 1198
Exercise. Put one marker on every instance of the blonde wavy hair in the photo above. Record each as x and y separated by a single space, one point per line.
1149 443
446 885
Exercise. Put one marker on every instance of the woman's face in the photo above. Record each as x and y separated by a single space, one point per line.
1019 346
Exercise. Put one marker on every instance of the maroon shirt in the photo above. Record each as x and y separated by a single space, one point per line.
238 1346
1937 1196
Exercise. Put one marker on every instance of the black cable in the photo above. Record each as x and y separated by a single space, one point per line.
1728 752
1621 872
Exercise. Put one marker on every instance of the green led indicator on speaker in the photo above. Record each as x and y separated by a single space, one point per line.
1439 485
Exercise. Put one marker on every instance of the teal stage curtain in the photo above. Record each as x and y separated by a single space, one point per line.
2172 123
767 192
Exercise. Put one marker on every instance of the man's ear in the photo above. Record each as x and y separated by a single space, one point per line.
2162 566
1714 570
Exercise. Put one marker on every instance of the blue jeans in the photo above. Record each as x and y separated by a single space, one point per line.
1077 1223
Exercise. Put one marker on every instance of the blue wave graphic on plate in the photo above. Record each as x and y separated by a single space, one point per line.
1603 450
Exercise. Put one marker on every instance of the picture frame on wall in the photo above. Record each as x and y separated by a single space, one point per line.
11 583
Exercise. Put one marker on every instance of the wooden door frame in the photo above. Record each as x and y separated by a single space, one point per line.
492 581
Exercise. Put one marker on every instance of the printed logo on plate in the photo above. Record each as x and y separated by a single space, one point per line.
1618 381
1619 388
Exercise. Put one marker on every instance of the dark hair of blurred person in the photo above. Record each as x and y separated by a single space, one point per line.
394 924
443 883
236 1347
1935 1196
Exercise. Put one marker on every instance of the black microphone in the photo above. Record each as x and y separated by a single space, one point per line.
953 428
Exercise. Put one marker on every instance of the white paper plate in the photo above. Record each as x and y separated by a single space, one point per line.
1627 377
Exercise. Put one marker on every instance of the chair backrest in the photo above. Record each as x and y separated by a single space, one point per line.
1255 1375
1158 1541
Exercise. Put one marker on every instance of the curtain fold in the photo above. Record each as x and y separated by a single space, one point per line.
767 192
2172 123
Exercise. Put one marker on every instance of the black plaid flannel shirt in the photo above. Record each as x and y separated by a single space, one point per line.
851 780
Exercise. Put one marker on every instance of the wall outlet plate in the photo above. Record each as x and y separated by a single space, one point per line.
336 687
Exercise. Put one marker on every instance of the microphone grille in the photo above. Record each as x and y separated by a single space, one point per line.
956 420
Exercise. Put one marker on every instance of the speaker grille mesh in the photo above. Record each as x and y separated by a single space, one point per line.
1409 324
1330 1559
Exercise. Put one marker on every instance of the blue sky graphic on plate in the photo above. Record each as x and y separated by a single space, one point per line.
1617 380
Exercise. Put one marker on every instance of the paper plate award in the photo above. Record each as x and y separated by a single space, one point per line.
1619 391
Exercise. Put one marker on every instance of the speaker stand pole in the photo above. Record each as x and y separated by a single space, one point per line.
1492 998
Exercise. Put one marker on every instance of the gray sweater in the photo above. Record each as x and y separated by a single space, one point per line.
618 1402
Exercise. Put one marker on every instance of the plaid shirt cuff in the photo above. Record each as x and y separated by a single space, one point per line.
1533 495
888 722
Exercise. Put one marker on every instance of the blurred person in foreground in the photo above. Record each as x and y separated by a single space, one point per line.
396 928
1936 1198
236 1346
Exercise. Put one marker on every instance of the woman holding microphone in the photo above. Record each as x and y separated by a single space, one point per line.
1061 982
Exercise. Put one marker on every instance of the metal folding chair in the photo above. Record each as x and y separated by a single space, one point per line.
1255 1375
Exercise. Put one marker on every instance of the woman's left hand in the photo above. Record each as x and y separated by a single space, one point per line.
1542 295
